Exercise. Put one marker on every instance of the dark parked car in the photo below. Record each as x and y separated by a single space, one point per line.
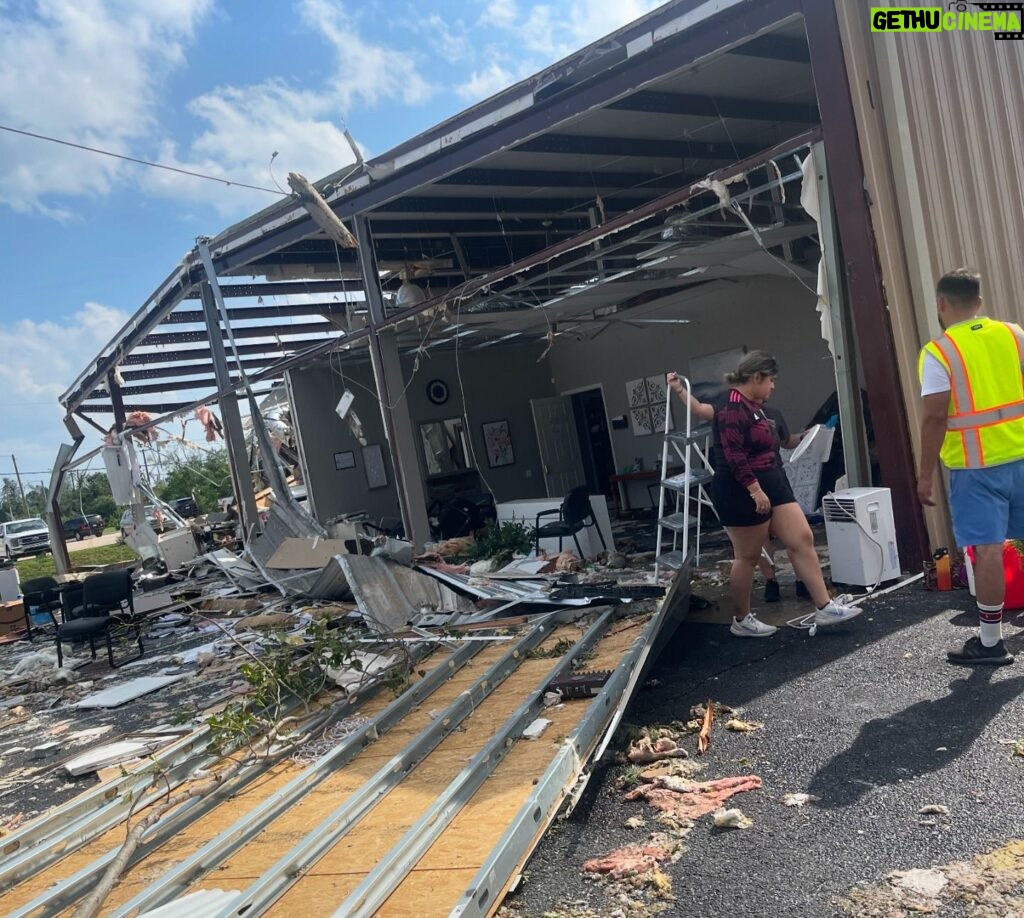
185 507
83 526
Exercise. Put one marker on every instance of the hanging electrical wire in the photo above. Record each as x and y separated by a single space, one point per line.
141 162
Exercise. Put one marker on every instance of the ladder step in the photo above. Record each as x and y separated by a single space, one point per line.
694 436
696 477
672 560
677 522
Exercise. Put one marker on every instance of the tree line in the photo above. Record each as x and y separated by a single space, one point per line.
204 476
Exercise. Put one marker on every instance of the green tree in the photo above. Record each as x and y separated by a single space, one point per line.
205 476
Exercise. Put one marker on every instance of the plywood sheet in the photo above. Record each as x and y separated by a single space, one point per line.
305 554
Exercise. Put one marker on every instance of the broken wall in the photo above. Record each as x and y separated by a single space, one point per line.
773 314
499 383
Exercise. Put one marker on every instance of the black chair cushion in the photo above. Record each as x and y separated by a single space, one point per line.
558 529
85 627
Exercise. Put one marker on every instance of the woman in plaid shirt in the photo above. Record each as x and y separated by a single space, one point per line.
750 493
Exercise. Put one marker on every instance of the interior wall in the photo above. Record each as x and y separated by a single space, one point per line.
498 383
772 314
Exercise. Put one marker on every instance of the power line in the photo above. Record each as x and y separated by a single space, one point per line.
142 162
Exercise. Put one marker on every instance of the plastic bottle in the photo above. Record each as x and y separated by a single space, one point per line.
943 572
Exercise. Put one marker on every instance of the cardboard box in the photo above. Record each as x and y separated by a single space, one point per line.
12 617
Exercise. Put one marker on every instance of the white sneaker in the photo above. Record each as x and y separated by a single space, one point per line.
835 612
750 626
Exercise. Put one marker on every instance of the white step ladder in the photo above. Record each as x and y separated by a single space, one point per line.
691 444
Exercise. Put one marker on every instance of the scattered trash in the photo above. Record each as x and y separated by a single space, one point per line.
629 861
798 799
646 750
704 740
922 882
933 809
690 800
581 685
536 728
743 726
118 695
731 819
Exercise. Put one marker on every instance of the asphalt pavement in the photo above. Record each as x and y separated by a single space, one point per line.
868 717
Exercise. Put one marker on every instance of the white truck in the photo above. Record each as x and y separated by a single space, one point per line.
24 537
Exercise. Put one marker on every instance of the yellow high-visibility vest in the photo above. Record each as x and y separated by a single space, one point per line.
985 362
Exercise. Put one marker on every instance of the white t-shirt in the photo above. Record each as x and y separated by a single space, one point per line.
934 378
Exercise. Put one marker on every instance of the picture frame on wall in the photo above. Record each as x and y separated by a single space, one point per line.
344 460
498 444
373 463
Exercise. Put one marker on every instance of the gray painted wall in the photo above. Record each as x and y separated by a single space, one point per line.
773 314
498 382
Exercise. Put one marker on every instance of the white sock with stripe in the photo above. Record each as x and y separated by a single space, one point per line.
991 624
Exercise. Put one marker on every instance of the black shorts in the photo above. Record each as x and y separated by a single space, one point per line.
735 506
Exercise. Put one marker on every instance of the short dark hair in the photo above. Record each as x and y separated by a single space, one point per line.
962 287
756 363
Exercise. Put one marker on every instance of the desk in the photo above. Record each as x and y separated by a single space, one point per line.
649 475
525 512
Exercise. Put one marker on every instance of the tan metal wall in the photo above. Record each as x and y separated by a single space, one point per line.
941 125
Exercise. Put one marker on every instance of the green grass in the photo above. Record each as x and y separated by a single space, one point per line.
42 565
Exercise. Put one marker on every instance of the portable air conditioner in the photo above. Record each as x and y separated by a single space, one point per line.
861 536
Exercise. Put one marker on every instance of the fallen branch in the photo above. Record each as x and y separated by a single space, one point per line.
92 905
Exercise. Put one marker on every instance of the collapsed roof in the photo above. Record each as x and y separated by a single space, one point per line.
572 197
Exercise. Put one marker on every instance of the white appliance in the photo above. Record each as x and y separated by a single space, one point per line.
861 536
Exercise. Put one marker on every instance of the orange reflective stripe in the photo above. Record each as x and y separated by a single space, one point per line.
962 368
957 378
1018 337
988 417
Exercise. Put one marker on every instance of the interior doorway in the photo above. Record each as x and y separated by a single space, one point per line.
594 439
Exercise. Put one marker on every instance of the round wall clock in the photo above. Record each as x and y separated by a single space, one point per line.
437 391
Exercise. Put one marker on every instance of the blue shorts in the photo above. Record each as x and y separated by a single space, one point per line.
987 504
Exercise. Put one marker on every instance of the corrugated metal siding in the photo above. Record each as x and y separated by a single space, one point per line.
941 125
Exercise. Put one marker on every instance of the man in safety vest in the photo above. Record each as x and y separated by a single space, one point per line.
972 390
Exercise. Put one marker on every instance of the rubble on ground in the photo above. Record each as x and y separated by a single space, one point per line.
988 886
208 626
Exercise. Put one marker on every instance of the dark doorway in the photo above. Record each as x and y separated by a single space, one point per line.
595 440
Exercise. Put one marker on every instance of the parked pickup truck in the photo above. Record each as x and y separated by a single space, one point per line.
24 537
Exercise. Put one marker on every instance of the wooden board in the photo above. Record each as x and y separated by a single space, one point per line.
303 554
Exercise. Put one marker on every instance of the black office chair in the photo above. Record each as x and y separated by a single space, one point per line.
40 596
106 603
458 517
574 515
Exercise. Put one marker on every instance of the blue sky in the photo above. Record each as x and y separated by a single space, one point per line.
216 86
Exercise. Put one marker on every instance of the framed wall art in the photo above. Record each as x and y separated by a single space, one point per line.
498 444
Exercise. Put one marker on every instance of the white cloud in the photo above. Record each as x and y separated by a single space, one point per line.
245 125
86 71
485 83
38 361
547 32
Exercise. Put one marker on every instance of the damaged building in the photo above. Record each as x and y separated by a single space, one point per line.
480 321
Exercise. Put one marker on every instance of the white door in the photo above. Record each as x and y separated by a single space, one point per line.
559 445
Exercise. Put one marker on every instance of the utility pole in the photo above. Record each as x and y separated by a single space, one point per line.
17 474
